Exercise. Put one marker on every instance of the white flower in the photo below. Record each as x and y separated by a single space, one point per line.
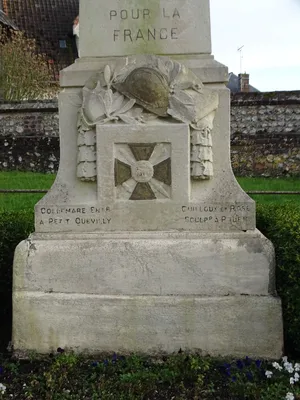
284 359
297 367
269 374
290 396
292 381
289 367
2 388
296 377
277 366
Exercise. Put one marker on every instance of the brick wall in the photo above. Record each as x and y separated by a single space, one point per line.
265 135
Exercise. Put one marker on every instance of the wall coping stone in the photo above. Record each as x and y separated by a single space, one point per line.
237 100
265 98
29 106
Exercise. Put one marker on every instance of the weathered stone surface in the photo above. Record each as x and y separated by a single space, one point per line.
218 206
117 28
133 292
169 143
139 87
145 263
232 325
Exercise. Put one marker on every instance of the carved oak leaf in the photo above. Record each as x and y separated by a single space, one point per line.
125 107
132 116
122 110
93 106
118 100
108 102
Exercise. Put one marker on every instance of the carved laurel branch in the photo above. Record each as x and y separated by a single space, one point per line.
144 88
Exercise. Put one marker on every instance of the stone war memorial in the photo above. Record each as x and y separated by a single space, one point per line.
146 243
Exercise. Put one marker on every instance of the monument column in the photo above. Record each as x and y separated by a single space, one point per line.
146 242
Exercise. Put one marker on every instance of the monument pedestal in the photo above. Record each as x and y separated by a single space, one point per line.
147 292
146 242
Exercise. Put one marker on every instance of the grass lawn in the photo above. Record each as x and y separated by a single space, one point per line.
29 180
272 184
22 180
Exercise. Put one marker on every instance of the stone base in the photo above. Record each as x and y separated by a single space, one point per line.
147 292
233 325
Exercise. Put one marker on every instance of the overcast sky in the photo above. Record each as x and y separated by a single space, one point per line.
269 30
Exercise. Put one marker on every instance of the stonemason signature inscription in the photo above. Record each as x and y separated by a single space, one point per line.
232 214
188 217
74 216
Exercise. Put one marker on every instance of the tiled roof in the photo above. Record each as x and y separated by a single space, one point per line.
4 20
234 86
50 23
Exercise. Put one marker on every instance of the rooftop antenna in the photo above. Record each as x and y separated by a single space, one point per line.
240 50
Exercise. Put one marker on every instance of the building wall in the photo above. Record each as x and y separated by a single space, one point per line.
29 136
265 135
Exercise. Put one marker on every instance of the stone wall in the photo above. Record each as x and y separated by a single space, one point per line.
29 136
265 135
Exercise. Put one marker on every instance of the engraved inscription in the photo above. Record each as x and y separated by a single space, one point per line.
189 216
147 32
232 214
74 216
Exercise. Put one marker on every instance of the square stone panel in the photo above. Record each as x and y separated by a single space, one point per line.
144 162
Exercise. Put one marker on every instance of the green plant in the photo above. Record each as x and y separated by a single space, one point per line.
65 375
25 74
262 380
139 374
14 227
283 381
281 224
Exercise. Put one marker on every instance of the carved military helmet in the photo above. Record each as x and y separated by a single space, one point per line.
149 87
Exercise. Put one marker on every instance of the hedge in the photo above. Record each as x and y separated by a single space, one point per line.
14 227
280 223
